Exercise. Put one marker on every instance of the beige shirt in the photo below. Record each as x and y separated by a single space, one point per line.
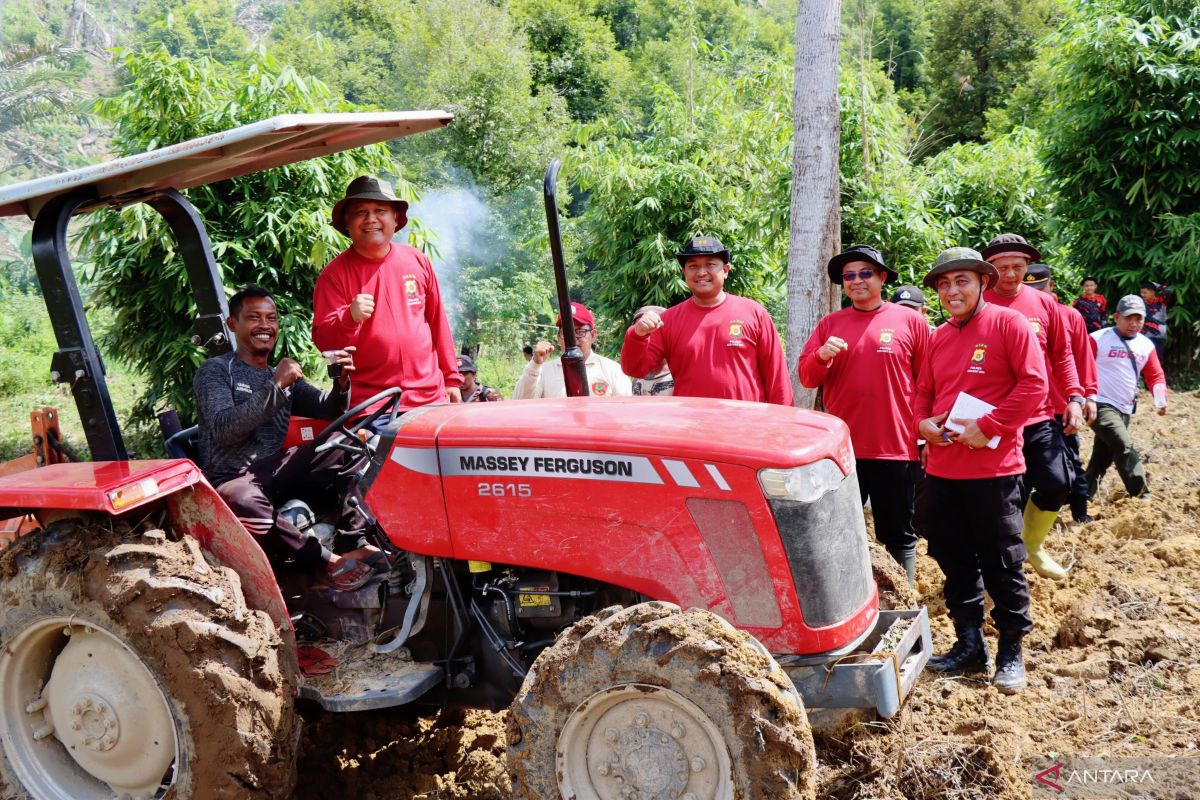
605 379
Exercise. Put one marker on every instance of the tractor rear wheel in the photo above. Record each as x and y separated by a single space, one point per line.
131 668
655 703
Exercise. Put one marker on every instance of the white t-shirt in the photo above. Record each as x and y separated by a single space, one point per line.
1118 386
605 379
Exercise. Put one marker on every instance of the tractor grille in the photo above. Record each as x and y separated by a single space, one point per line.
826 545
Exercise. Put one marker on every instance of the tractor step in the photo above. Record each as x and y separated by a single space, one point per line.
373 681
879 674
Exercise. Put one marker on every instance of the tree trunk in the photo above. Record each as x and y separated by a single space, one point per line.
814 235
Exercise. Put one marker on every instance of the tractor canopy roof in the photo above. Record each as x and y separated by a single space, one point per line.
250 148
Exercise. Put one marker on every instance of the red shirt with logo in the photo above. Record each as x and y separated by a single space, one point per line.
730 350
872 384
1081 352
994 357
406 342
1041 311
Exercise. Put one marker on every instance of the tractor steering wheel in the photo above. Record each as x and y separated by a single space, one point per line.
352 444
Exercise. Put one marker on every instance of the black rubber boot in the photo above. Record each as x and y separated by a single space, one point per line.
1010 665
1079 510
969 653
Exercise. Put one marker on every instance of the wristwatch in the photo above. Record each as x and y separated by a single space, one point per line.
1075 399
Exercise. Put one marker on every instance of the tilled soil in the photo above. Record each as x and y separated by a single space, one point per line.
1114 670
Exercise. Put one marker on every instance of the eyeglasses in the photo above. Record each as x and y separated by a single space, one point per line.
861 275
579 331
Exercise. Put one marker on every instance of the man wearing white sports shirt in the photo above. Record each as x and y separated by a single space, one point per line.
1123 355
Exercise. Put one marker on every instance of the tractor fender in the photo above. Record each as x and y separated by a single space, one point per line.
200 512
120 488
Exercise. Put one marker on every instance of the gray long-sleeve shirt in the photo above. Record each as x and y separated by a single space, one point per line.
243 416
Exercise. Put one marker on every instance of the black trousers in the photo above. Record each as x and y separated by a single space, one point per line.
1077 496
975 537
1048 472
889 486
295 472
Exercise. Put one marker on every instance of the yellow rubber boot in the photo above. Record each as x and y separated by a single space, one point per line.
1037 527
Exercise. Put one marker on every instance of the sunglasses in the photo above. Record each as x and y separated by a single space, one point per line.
861 275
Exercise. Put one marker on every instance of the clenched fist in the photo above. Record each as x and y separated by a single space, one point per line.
541 351
363 307
647 324
833 345
287 372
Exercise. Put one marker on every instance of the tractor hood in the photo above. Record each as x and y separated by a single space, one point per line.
756 435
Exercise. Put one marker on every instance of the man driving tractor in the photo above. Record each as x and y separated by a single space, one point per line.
243 405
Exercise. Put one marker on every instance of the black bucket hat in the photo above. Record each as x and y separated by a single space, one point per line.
703 246
1010 243
1036 276
858 252
960 258
368 187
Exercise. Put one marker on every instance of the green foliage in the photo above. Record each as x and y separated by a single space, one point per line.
884 199
685 177
269 228
36 85
465 56
980 51
982 190
191 28
575 55
1122 145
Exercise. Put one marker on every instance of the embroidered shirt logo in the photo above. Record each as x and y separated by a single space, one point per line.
599 388
1036 324
243 387
979 354
885 336
412 291
736 329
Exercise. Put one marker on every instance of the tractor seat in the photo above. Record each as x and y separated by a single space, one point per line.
185 444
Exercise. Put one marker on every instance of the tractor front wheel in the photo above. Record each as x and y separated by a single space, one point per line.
131 668
653 703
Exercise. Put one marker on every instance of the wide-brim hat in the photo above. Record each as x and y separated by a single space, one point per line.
957 259
1008 244
703 246
858 252
368 187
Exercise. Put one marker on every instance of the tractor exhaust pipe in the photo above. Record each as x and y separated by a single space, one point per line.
574 371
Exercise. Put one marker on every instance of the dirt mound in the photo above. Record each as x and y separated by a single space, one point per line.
395 753
1112 666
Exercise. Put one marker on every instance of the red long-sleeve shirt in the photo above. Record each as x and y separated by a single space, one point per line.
871 384
731 350
406 342
1081 352
1041 311
995 358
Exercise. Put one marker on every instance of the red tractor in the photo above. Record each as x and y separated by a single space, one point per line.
540 554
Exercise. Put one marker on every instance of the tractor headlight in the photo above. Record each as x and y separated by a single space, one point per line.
802 484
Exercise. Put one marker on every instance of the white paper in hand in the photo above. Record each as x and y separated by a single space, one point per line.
970 407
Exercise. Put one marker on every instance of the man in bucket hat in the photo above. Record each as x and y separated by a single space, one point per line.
383 297
1049 473
973 483
716 344
866 357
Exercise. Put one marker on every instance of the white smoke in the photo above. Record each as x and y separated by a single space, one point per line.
455 221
